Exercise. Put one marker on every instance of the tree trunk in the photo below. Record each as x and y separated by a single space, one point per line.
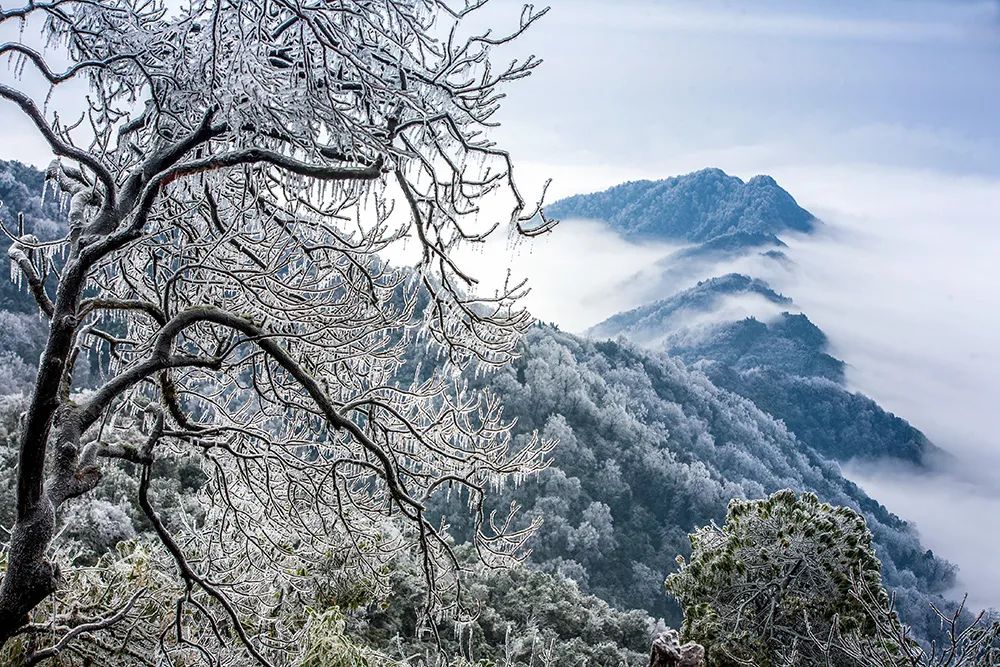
30 577
667 651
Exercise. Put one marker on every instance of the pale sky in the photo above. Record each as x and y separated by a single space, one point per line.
660 86
880 116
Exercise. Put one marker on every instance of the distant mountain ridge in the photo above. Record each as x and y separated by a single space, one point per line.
647 323
729 326
696 207
781 364
729 245
790 343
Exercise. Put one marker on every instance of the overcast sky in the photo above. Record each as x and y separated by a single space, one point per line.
880 116
633 87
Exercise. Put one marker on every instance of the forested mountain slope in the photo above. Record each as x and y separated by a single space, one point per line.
21 192
741 332
650 324
781 364
649 449
21 329
789 343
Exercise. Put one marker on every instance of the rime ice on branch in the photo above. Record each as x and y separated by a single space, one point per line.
239 172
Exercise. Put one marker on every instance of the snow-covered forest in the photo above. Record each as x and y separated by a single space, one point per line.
238 428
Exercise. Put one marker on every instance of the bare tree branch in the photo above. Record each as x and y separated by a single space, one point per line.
238 176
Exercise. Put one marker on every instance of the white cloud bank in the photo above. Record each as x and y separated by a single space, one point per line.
579 274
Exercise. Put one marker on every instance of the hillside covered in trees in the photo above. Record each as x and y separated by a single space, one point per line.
648 450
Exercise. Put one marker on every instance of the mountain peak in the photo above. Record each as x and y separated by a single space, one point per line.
696 207
762 180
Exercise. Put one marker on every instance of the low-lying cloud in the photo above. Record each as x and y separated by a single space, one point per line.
954 513
579 274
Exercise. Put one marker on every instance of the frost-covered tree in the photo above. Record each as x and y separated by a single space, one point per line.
778 573
965 641
233 182
665 450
